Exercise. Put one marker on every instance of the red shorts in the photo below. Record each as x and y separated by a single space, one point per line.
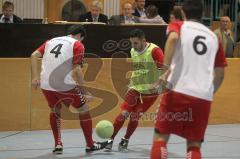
136 102
183 115
72 97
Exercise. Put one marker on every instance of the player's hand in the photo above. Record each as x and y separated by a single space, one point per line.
161 85
80 89
35 83
164 76
88 96
153 88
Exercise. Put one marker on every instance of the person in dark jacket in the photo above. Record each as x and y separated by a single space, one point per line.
126 17
140 10
94 14
7 16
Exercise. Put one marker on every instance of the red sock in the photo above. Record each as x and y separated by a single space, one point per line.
132 125
55 123
86 124
119 121
194 153
159 150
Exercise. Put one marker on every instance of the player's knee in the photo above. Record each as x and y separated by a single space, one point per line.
82 109
160 136
135 116
55 110
194 144
78 104
52 110
125 114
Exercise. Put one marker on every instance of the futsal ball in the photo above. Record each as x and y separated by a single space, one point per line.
104 129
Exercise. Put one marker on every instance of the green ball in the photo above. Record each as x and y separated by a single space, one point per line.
104 129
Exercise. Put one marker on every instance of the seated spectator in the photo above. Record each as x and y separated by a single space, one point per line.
94 15
225 36
126 17
7 16
152 16
140 8
176 15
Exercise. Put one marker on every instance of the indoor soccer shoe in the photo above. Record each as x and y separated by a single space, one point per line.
109 145
58 150
123 145
96 146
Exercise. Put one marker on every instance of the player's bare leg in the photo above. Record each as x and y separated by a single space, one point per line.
55 122
132 125
119 121
135 115
159 147
86 125
193 150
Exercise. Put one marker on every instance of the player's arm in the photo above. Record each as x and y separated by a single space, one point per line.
173 32
34 65
163 62
220 63
170 47
158 56
34 68
169 52
77 75
218 77
173 36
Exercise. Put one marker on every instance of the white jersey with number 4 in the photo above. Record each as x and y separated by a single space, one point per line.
57 63
192 66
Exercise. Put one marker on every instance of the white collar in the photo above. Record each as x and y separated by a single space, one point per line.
146 47
143 10
3 21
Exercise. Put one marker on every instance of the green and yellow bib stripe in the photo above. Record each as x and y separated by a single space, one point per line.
145 71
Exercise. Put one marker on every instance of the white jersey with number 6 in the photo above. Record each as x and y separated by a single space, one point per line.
192 66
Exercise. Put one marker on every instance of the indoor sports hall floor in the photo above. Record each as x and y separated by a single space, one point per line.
221 142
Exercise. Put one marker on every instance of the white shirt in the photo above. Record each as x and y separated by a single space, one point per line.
129 20
157 19
2 19
192 66
142 12
95 19
57 64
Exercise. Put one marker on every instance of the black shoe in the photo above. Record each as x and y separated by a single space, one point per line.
96 146
123 145
109 145
58 150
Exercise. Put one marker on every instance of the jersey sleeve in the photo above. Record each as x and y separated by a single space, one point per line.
157 55
41 49
174 27
220 60
78 53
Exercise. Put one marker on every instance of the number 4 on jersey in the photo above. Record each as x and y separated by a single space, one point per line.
56 50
